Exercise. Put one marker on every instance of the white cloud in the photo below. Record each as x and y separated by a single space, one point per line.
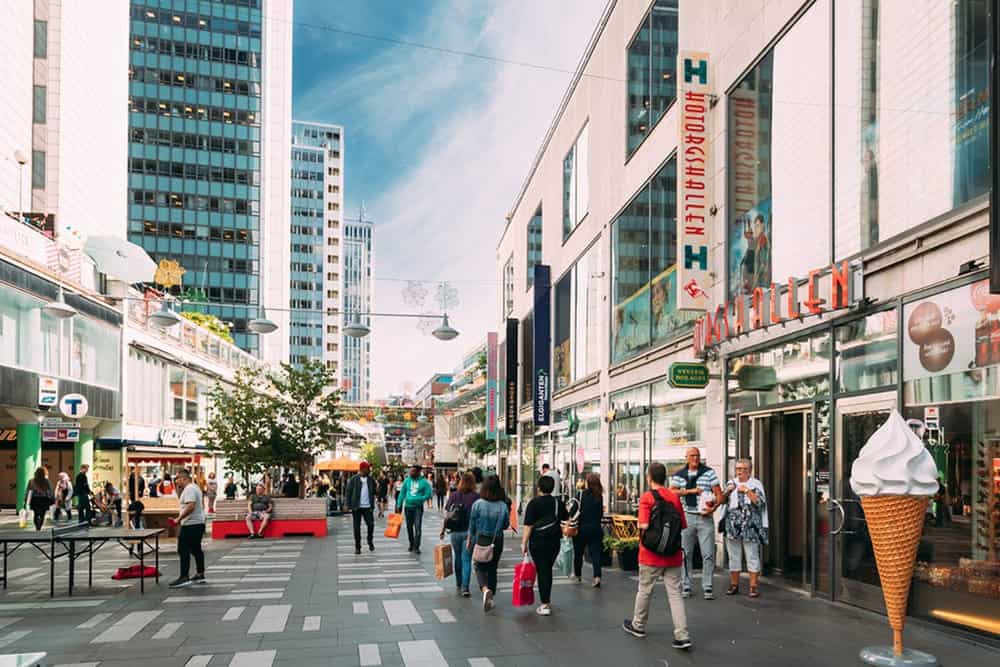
443 217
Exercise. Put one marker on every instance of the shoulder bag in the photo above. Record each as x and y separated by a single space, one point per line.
571 527
482 552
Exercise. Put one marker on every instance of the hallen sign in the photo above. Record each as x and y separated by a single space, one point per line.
781 303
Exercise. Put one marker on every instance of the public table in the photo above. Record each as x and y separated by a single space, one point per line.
76 540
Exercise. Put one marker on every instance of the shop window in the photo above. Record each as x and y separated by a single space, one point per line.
575 340
576 187
651 71
534 250
94 357
867 353
644 247
562 348
779 160
913 140
793 371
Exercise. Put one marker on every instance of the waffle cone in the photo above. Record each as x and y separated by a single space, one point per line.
895 524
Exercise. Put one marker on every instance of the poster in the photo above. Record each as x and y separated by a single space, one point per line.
750 250
630 328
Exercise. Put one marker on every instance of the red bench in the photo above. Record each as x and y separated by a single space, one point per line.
291 516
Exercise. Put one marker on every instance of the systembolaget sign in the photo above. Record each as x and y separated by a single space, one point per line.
826 290
694 181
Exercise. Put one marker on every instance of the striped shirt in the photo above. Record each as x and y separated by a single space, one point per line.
706 482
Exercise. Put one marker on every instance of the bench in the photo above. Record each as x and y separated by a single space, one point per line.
291 516
157 511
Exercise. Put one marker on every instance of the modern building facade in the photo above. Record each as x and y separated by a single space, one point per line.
209 154
358 297
316 242
830 266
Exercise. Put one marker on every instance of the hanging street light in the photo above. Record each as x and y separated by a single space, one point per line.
445 331
59 309
262 324
164 317
357 329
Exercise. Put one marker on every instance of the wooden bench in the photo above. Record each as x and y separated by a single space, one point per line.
291 516
157 511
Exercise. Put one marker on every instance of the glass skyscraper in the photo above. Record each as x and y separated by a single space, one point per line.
195 148
359 246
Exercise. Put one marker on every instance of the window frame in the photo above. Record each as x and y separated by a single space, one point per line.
647 17
529 267
566 234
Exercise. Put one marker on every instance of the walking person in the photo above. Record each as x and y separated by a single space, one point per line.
63 497
397 488
488 519
440 491
81 491
591 535
548 471
39 496
542 537
136 485
745 523
653 565
415 491
382 493
458 512
191 519
360 498
211 492
700 492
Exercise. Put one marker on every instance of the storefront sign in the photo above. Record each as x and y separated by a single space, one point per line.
580 460
694 181
178 437
74 406
510 389
60 434
8 435
48 391
491 385
542 345
932 417
687 375
781 303
107 467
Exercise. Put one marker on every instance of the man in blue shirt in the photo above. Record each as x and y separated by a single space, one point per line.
415 492
700 492
360 498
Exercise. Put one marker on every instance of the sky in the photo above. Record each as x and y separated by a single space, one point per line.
436 146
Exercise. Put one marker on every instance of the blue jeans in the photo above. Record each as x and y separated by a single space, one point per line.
414 524
462 558
700 530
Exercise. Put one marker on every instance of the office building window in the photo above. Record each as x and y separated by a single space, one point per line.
38 104
575 338
534 253
41 39
652 71
913 142
779 164
576 188
38 170
508 287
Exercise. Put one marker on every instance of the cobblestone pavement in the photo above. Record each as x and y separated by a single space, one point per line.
301 601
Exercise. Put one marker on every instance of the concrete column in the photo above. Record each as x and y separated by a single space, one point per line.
83 450
29 456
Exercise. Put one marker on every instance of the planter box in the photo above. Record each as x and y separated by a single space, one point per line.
629 560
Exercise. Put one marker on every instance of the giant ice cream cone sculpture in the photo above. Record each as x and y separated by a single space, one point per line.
895 477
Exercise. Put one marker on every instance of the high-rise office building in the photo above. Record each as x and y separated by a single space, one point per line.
358 255
316 238
209 154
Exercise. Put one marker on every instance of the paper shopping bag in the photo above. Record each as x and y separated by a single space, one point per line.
392 525
524 583
443 564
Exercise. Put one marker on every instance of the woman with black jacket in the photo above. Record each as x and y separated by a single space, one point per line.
591 535
543 519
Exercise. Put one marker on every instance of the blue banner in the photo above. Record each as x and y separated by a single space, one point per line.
542 389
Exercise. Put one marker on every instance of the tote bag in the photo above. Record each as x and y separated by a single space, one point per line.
393 524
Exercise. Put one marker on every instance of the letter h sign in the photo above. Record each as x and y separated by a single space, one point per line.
700 70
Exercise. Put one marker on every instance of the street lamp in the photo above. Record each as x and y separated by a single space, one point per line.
164 317
445 331
262 324
59 309
357 329
22 160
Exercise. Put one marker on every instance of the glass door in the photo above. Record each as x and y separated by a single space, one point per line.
628 469
857 580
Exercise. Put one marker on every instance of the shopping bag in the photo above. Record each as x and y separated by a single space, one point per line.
444 566
392 525
134 572
564 561
524 583
513 519
22 518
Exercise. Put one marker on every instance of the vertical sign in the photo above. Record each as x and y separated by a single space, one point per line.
510 380
491 385
542 388
694 182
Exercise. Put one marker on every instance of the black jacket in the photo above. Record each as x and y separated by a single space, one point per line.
81 486
352 495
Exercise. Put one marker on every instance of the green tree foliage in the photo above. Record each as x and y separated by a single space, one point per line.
369 452
241 421
210 322
479 444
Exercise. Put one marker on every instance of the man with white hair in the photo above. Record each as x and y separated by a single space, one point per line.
700 492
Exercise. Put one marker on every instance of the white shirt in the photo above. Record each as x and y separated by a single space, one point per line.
365 500
554 474
192 494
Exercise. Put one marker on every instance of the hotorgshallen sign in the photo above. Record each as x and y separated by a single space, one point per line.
688 375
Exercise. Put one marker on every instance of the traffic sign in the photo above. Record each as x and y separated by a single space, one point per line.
74 406
688 375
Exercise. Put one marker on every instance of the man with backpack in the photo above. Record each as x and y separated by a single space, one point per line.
701 493
661 522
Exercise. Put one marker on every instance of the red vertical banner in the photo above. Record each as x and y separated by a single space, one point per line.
492 368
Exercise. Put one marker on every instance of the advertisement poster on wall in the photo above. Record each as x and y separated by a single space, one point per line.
750 250
630 328
951 332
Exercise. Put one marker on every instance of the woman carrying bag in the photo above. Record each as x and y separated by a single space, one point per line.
487 521
456 521
590 535
39 496
543 519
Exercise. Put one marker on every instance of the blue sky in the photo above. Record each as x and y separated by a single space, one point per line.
436 144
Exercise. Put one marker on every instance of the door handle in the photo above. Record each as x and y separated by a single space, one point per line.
835 505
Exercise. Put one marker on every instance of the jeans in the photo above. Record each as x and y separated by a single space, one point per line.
737 548
701 529
462 558
592 538
414 524
83 509
440 501
486 573
189 544
366 514
672 581
543 553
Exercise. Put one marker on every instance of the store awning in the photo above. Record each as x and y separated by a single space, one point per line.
340 464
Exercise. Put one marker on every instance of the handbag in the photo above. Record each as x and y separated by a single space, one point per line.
523 591
443 563
571 527
482 552
393 524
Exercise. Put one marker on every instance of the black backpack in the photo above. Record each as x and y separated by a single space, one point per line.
663 536
457 518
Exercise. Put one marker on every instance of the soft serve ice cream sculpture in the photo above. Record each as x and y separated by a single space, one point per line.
895 476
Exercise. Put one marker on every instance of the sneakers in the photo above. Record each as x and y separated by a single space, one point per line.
487 600
632 630
544 610
681 644
686 593
575 579
466 593
708 594
181 582
357 551
199 579
371 546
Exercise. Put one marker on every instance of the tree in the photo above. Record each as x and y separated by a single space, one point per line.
479 444
370 453
210 322
241 421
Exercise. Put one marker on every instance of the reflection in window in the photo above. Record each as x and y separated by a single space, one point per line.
779 162
794 371
867 353
912 128
562 350
652 71
534 253
508 287
576 188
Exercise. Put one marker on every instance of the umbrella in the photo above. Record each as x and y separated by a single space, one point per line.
345 464
120 259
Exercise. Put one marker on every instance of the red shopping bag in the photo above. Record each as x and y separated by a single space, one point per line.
393 523
524 583
134 572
